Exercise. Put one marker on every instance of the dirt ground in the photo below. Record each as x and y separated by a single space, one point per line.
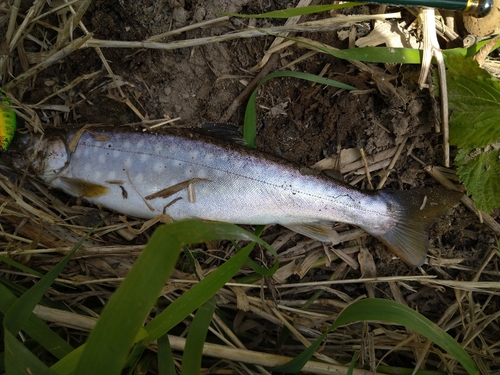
297 120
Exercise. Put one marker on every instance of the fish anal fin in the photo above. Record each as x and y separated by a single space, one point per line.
414 212
321 231
408 241
84 188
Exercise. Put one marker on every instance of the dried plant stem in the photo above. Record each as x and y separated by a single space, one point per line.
27 22
289 22
314 284
264 359
312 26
69 86
188 28
4 57
431 48
72 23
393 163
73 320
55 9
366 168
65 318
59 55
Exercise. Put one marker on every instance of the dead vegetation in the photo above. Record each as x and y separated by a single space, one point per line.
460 292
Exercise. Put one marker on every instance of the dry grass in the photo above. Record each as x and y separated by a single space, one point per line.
37 230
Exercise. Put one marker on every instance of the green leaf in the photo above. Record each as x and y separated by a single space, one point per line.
191 360
461 66
479 171
392 312
474 101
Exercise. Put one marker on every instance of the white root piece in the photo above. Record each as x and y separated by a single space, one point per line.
431 48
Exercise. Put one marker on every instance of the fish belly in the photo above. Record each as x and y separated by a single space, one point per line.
147 175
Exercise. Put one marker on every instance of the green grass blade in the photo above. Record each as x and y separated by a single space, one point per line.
392 312
111 339
166 364
20 266
191 360
250 121
109 343
19 360
196 296
262 271
22 308
36 328
294 12
354 358
391 55
68 364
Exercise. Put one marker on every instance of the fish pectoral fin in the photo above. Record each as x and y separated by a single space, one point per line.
319 230
84 188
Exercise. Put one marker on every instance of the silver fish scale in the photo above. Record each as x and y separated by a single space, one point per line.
240 187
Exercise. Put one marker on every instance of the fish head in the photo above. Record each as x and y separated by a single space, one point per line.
42 155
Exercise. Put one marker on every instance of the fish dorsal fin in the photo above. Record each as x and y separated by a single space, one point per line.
330 173
84 188
333 173
320 230
414 212
225 131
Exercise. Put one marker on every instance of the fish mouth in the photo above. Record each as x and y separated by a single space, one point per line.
42 155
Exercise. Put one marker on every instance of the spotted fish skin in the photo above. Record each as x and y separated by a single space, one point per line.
185 175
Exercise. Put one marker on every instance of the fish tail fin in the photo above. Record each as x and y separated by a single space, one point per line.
414 212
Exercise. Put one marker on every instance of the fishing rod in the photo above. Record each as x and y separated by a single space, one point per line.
476 8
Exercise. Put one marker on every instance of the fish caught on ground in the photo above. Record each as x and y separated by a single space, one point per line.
187 175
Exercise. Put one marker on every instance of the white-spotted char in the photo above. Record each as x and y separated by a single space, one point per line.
186 175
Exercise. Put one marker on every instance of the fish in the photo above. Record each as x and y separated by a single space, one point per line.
188 175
